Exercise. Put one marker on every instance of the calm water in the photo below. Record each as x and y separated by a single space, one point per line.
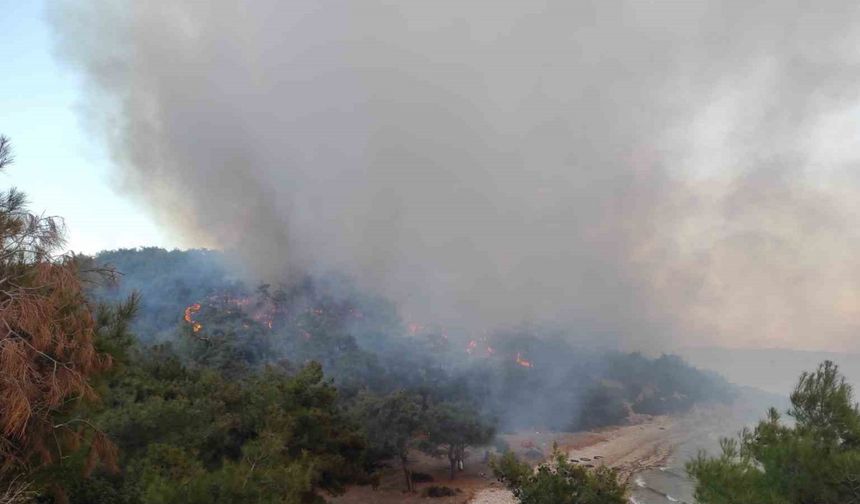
670 483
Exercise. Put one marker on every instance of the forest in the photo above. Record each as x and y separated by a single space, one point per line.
156 376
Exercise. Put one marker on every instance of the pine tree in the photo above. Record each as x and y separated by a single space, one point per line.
47 352
816 458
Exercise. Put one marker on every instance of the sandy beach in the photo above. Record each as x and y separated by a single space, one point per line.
630 448
648 443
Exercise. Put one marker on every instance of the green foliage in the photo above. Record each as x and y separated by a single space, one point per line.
364 346
167 281
604 404
823 406
197 435
240 409
559 482
456 427
664 385
233 343
393 425
815 460
397 423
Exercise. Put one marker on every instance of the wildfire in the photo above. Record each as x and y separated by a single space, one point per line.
472 345
261 311
475 347
189 312
522 362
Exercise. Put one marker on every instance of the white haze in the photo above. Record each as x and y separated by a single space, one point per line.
644 173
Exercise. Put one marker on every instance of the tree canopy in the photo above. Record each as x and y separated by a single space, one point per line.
814 459
453 427
50 360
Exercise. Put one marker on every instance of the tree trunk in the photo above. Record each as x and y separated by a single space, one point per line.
407 474
452 459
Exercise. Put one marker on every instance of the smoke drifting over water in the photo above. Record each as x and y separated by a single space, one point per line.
655 172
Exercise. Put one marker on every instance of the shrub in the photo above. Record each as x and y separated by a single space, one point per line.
559 482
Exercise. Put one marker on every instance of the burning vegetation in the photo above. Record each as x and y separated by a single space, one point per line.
264 310
244 391
190 310
250 399
522 362
363 345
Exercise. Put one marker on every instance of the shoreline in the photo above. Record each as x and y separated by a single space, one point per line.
649 443
630 449
634 448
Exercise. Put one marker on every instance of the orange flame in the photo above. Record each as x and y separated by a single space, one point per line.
522 362
261 311
472 345
189 312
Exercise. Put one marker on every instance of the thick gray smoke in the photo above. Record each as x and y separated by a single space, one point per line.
650 173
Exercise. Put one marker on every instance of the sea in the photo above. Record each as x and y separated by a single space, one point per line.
670 482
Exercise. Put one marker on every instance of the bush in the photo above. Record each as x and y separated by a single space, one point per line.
559 482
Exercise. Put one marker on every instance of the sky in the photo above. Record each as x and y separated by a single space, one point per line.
61 168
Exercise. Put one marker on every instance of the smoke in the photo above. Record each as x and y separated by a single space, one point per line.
643 173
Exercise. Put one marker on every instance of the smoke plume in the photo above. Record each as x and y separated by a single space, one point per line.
644 173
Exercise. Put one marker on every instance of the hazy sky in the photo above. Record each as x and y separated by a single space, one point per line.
58 164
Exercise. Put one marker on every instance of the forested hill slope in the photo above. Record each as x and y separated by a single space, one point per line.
522 377
168 281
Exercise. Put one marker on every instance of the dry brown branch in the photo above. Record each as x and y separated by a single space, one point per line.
47 331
